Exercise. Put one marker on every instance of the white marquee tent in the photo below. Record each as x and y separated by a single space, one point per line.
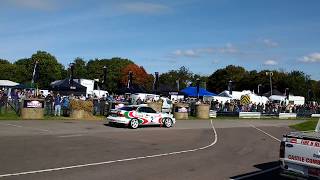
225 95
7 83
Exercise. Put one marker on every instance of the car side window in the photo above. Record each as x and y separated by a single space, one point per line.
142 109
150 110
146 110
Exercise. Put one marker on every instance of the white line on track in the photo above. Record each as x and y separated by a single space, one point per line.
115 161
14 125
71 135
264 171
264 132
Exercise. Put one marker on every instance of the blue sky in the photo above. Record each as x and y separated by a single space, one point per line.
203 35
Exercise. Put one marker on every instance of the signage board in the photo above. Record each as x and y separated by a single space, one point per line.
33 104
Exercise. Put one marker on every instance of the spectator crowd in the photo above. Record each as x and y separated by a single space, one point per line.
268 108
57 105
54 103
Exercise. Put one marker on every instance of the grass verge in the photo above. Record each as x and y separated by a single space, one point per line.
9 116
305 126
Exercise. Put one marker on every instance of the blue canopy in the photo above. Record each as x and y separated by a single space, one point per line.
192 91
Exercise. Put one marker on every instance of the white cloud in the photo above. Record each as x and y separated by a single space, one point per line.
33 4
311 58
227 49
270 43
270 62
215 61
143 7
185 53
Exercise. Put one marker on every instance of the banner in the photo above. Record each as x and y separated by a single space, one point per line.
33 104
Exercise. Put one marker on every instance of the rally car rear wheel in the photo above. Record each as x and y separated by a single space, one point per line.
167 122
134 123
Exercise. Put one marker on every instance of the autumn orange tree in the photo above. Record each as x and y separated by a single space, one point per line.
140 76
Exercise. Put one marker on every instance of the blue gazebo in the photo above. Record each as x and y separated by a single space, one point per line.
192 92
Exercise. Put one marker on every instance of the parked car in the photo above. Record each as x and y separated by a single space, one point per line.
139 115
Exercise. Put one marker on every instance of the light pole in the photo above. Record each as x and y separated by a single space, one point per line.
230 87
178 84
198 87
156 82
104 77
130 76
259 85
286 92
270 74
71 73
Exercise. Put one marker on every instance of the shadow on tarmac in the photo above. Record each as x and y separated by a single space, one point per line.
274 174
116 125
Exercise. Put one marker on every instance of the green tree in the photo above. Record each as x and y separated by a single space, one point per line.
49 69
183 75
297 82
23 68
218 81
7 70
80 69
114 70
202 80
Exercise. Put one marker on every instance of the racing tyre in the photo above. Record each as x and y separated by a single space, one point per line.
167 122
134 123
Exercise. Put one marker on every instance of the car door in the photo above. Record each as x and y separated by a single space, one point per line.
148 116
143 115
153 116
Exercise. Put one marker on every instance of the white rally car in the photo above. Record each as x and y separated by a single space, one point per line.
134 116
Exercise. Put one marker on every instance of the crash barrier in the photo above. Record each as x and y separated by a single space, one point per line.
315 115
227 114
180 111
269 115
212 114
287 115
250 115
32 109
202 111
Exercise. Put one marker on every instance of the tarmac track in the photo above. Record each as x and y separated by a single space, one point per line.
92 150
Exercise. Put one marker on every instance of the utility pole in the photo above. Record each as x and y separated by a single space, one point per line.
259 85
270 79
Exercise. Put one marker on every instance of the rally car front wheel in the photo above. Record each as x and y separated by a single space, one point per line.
134 123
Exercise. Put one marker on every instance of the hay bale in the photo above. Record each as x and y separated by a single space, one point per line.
180 111
202 111
157 106
81 109
32 111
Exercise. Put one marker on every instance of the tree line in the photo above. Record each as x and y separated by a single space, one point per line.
297 82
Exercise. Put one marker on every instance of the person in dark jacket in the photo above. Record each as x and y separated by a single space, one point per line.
49 100
57 105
